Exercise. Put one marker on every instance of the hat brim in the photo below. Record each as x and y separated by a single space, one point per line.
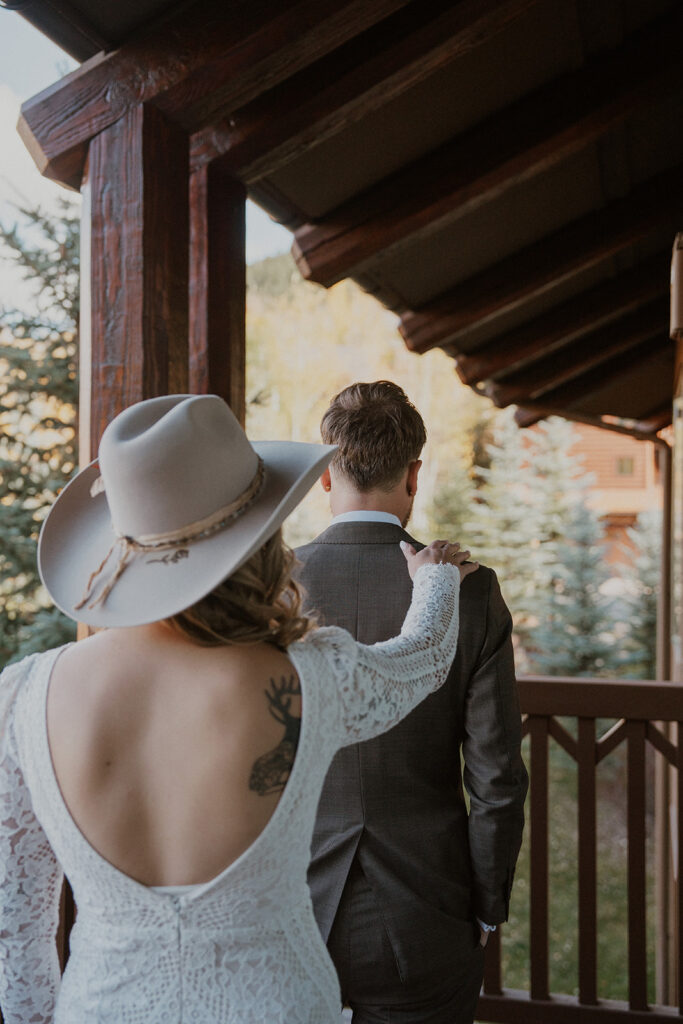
78 533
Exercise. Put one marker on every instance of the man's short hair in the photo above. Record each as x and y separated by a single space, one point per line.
379 432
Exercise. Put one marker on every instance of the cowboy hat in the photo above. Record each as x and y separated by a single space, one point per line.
177 500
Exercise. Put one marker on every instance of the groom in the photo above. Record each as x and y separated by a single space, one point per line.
406 883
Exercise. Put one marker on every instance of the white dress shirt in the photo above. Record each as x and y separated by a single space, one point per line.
361 515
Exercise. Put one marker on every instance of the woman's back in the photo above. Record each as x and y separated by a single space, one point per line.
243 947
171 757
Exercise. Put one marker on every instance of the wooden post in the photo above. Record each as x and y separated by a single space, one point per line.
135 342
538 931
665 882
217 286
588 897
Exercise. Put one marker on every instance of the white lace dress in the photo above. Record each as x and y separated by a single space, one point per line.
243 948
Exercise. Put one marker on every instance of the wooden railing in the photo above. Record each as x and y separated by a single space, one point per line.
643 711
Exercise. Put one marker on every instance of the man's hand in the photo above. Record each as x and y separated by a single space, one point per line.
438 552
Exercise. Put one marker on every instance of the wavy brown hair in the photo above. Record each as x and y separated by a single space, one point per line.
379 432
259 603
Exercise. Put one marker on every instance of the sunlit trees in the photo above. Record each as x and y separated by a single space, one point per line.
38 401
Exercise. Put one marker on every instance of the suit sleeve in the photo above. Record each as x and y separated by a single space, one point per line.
377 685
494 774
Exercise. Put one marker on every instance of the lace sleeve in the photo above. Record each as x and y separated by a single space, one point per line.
30 884
379 684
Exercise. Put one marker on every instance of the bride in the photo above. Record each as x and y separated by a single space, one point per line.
170 765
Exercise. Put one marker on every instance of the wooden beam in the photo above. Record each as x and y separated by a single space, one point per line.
217 286
538 268
575 359
593 380
657 418
515 144
368 71
137 271
198 65
528 415
566 322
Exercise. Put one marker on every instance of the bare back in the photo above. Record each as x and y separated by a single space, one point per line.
171 757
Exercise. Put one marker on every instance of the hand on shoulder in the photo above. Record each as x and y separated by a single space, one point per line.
438 552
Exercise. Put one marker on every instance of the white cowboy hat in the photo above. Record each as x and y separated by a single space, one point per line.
177 500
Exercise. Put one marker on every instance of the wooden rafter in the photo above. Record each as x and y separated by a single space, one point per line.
655 203
594 349
513 145
197 66
641 430
368 71
564 396
566 322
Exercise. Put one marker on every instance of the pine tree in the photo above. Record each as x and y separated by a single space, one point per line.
504 532
39 393
642 578
574 635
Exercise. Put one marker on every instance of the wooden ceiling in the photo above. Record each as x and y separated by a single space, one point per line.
507 175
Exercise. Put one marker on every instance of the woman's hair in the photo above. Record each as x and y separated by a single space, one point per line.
259 603
379 432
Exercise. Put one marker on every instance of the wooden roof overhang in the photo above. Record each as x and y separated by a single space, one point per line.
507 175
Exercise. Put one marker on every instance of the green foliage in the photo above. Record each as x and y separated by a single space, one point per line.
574 635
38 392
505 530
641 576
273 276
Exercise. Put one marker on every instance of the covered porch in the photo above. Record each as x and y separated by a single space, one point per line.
505 176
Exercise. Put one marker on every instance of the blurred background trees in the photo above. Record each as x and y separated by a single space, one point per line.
519 499
38 404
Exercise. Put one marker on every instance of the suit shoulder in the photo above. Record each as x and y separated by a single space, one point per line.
480 587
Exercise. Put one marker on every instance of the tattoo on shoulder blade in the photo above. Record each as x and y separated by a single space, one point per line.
270 772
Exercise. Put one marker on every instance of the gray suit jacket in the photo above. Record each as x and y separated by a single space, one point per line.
396 802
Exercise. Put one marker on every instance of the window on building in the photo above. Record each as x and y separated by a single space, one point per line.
625 466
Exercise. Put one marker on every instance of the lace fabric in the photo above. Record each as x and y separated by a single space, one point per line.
242 949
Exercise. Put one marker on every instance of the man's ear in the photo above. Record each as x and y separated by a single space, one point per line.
411 479
326 480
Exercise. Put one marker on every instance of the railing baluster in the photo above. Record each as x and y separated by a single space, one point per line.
538 731
678 866
492 971
637 934
587 864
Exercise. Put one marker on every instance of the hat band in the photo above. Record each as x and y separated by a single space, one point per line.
150 542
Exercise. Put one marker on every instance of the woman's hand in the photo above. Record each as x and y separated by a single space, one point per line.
435 553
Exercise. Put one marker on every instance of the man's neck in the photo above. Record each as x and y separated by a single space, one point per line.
361 501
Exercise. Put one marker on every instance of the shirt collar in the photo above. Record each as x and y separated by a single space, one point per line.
366 516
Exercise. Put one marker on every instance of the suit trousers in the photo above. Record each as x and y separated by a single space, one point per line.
370 978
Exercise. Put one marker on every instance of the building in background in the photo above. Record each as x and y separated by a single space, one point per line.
626 482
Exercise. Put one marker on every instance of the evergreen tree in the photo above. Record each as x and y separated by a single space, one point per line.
574 635
504 532
452 507
641 574
573 631
38 444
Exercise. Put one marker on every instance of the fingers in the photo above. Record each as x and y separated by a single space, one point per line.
467 569
439 551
